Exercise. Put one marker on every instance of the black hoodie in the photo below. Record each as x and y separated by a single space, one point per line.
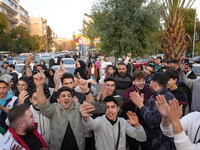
180 95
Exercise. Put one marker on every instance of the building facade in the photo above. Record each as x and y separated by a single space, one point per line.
38 26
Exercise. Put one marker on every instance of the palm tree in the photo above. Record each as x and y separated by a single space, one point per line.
89 30
176 39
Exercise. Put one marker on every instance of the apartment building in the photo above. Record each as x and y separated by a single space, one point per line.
15 13
38 26
10 8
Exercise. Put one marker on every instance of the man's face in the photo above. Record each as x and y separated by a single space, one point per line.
3 90
123 57
5 65
112 110
106 58
122 70
172 65
28 120
148 71
65 99
171 82
22 86
158 60
152 85
68 82
139 83
110 87
34 101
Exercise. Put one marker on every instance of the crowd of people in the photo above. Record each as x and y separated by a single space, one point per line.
142 108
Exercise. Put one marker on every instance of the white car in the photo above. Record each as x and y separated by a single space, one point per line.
68 64
196 70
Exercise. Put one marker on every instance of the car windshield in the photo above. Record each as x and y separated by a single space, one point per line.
19 68
196 70
68 61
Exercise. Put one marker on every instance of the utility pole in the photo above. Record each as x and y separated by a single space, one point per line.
194 37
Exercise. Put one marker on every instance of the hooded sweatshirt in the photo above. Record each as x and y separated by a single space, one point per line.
180 95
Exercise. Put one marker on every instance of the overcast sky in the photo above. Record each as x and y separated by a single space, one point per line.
65 16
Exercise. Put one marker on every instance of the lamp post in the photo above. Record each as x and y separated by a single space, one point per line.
195 23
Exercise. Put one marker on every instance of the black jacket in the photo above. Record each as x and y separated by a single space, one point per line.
180 95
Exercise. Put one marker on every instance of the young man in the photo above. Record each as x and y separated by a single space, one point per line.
22 130
7 101
149 73
64 116
152 118
178 92
67 80
123 81
43 122
4 68
108 89
174 64
110 131
138 85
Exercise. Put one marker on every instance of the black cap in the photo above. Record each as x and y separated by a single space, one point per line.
160 77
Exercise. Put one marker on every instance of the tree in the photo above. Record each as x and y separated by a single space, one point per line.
188 25
49 37
176 39
89 30
3 23
126 25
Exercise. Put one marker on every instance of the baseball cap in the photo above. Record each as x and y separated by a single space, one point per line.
8 77
160 77
5 80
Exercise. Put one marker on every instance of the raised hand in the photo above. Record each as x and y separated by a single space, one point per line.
175 111
85 110
137 99
132 118
83 84
39 79
29 60
163 106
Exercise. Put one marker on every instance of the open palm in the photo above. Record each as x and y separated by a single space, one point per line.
132 118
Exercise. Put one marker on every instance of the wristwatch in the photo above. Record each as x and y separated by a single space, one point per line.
87 92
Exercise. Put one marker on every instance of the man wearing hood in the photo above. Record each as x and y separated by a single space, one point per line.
180 95
7 101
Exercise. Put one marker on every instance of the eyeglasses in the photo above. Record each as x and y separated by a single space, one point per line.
110 85
21 85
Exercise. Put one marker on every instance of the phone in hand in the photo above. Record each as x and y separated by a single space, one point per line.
186 61
100 108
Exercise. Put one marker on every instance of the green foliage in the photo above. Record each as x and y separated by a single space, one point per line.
188 24
90 32
49 37
126 25
3 23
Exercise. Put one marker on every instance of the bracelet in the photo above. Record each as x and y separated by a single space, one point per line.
28 66
180 130
87 92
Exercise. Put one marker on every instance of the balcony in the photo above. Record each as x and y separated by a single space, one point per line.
12 19
10 6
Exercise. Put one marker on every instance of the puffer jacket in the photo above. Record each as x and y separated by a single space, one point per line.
59 119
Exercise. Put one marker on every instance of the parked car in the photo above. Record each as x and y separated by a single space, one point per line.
195 59
68 63
196 69
140 63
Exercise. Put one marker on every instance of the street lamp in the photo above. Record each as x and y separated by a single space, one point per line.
194 37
